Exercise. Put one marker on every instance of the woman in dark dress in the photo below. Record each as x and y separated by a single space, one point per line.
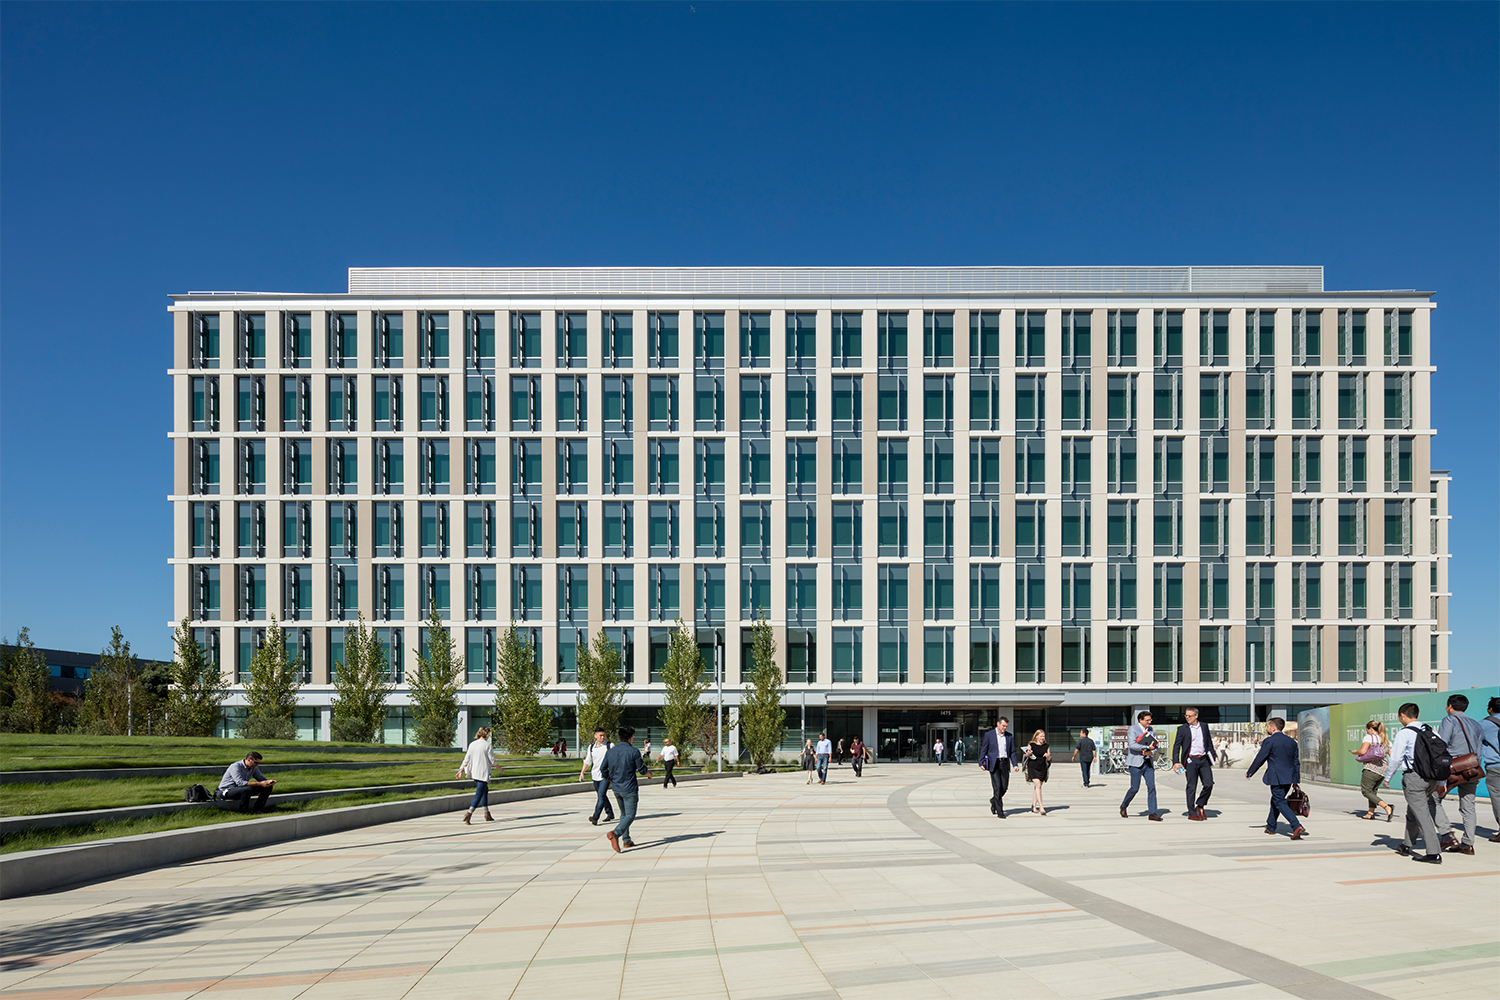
1038 759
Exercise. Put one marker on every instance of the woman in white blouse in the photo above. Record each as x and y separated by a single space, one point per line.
1374 767
479 763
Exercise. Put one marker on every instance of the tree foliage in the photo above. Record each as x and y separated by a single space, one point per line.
271 689
361 685
434 689
685 683
601 689
195 702
30 706
115 702
524 723
762 719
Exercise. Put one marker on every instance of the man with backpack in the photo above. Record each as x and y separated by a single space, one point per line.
1490 757
1462 736
1423 759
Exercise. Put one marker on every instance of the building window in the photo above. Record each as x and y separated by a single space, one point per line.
526 529
661 335
479 467
1353 590
937 530
388 530
1213 463
1031 591
892 529
755 404
1260 465
801 341
937 339
801 593
1260 590
1398 465
984 655
204 584
847 351
1031 339
801 403
984 341
662 465
204 342
1166 528
342 349
755 340
432 529
436 591
984 403
1166 401
1077 402
1260 337
662 529
432 341
1166 654
1077 658
848 591
1167 330
1031 655
1352 391
1120 338
387 403
892 466
666 592
1077 469
708 403
937 464
1398 336
1121 463
435 466
1121 527
892 592
205 402
1167 465
755 591
1120 655
1213 590
801 467
984 467
1351 336
250 408
1031 403
848 404
1260 651
1077 527
342 531
1076 342
296 530
848 656
1307 527
1213 337
1213 402
848 468
984 528
708 530
1353 464
479 529
1398 653
572 593
1260 401
479 348
802 530
709 592
1307 401
1351 527
801 656
619 530
848 530
390 592
343 466
1167 590
1307 337
1307 590
661 402
619 465
1307 464
619 403
1077 592
572 340
619 344
937 403
1031 464
890 404
984 592
1398 590
891 341
937 656
572 466
1031 529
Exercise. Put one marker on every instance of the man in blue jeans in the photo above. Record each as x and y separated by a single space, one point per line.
621 765
1140 745
593 767
824 750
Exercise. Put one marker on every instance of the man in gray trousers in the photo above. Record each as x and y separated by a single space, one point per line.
1463 735
1420 794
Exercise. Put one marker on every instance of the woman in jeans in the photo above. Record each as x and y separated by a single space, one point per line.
479 762
1374 769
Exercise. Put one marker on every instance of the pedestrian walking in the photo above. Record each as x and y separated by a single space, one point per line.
562 745
1371 756
1038 762
668 761
1418 790
1140 758
1084 754
839 754
857 756
1193 754
1283 765
593 765
809 760
958 751
621 765
997 755
1463 736
479 764
937 751
1490 754
824 751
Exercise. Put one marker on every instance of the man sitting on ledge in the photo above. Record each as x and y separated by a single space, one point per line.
242 780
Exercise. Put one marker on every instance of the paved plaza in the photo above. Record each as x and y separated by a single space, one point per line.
899 884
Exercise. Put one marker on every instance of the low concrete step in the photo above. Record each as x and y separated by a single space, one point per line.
114 773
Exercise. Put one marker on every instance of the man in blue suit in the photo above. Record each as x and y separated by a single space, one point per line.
1283 770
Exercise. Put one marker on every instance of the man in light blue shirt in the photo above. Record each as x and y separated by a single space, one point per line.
824 750
1421 807
1489 756
243 782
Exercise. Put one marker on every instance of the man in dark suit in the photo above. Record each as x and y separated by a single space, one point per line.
1283 770
997 754
1193 755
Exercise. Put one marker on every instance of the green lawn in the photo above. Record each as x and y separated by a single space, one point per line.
31 799
34 840
28 752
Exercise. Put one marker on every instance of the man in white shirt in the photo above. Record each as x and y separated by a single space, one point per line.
668 761
937 751
1193 755
824 750
1421 810
593 765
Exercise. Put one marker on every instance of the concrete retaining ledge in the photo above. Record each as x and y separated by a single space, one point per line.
28 872
114 773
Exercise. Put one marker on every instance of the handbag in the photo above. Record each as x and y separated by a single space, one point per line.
1374 755
1465 767
1297 800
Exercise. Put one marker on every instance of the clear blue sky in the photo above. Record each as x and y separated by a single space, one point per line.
157 148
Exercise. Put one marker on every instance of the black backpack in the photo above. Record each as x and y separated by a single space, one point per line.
1431 759
195 793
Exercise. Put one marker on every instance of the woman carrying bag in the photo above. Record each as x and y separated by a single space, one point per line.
479 762
1371 754
809 760
1038 758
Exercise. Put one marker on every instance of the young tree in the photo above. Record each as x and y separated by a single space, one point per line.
601 691
434 690
271 689
762 719
32 708
195 702
114 700
361 684
685 681
519 713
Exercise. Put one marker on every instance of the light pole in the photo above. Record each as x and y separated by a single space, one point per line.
719 709
1252 688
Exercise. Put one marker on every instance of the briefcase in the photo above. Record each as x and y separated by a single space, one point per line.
1297 800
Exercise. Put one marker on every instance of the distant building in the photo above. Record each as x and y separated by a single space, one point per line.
1060 494
67 670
